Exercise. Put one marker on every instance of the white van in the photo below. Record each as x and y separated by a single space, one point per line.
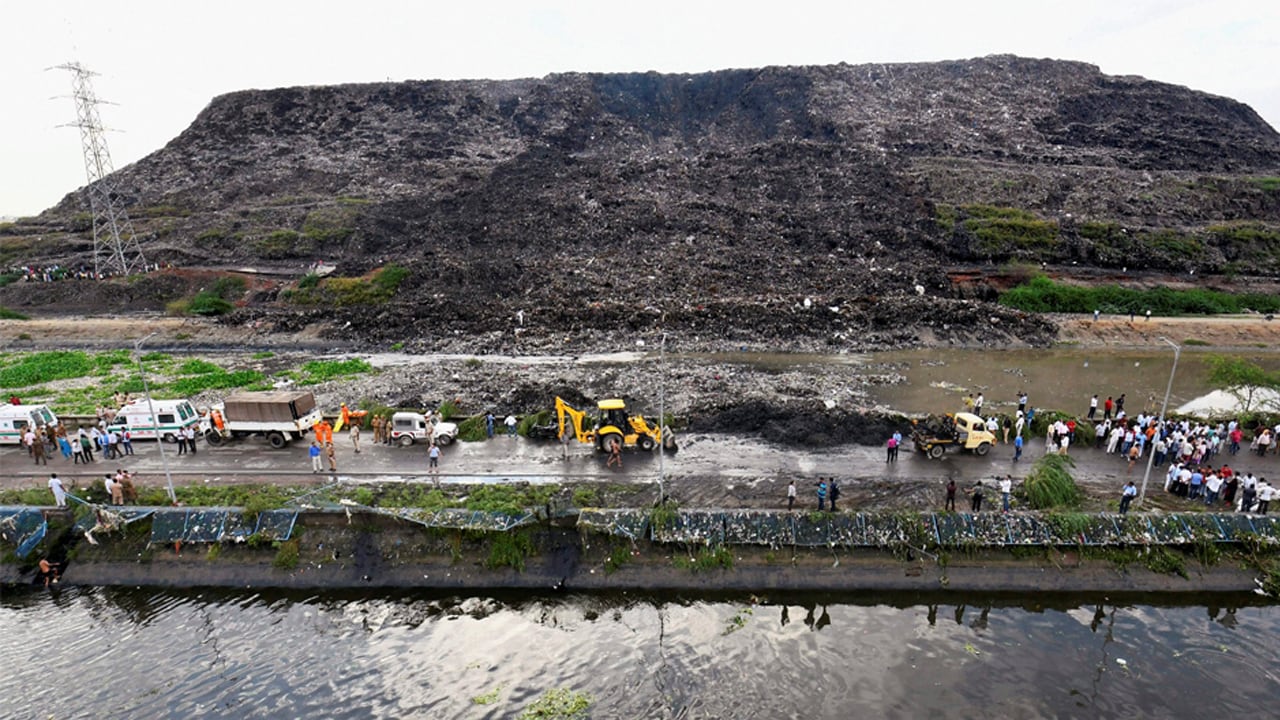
174 416
15 419
410 427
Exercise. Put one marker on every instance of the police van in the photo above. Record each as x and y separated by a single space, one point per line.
15 419
174 417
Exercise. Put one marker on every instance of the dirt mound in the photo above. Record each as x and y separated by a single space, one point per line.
805 427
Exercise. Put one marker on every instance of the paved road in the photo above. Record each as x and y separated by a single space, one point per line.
715 465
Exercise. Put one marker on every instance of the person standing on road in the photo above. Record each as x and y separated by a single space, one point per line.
1119 404
86 446
355 437
950 505
488 424
791 495
1017 448
510 422
1007 425
332 455
38 451
833 490
1127 496
891 450
977 405
433 459
822 494
1107 407
1022 402
1006 488
314 452
59 492
1093 407
191 439
179 437
615 453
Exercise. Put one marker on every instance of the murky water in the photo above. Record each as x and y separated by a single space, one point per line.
141 653
1064 379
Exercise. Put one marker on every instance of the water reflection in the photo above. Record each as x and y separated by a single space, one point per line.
212 654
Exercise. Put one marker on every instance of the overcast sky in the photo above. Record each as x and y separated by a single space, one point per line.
162 62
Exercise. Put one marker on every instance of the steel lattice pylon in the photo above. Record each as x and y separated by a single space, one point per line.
115 247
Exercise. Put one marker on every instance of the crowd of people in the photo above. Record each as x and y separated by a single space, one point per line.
54 273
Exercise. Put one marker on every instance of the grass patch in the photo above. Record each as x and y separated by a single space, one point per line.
706 559
1194 342
41 367
1044 295
1005 230
488 698
318 371
221 380
349 291
281 244
7 314
619 556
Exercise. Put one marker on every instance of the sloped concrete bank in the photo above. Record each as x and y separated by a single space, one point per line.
331 550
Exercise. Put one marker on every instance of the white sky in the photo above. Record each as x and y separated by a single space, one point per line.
162 62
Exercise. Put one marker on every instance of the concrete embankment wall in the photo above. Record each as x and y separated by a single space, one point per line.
622 551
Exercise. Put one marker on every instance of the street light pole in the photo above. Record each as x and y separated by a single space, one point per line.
662 418
155 422
1164 408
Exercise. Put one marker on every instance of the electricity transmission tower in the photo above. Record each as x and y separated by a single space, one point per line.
115 247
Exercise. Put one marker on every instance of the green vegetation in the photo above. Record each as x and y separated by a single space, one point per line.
1004 230
220 380
488 698
738 621
509 499
7 314
585 496
707 558
308 281
559 704
263 355
1068 524
281 244
509 549
1267 184
619 556
1194 342
328 225
1050 486
1044 295
318 371
286 555
42 367
348 291
946 217
1242 378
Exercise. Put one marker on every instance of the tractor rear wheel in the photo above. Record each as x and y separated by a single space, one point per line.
606 440
645 443
935 451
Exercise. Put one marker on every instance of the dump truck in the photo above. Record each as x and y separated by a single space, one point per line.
962 430
612 424
280 416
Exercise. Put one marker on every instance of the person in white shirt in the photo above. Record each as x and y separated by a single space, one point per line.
1006 487
59 492
1265 493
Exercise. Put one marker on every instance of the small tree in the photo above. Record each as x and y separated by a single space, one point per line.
1242 379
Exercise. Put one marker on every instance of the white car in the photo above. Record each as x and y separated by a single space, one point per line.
410 427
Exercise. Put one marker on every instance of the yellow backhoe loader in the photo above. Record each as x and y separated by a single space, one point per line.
613 424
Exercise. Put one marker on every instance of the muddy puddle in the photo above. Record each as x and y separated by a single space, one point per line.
938 380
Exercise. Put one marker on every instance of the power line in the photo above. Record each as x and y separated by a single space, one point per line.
115 246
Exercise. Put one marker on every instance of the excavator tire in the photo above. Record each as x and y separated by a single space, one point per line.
645 443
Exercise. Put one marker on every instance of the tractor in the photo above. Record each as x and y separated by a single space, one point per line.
613 424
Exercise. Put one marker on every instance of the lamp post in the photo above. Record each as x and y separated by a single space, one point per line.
662 418
151 410
1164 407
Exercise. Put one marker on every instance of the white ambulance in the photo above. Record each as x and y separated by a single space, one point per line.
174 417
15 419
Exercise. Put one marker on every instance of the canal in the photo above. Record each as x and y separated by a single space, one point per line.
145 653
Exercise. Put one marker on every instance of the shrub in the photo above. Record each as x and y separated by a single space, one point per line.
7 314
41 367
318 371
286 555
1049 485
509 549
559 704
1044 295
